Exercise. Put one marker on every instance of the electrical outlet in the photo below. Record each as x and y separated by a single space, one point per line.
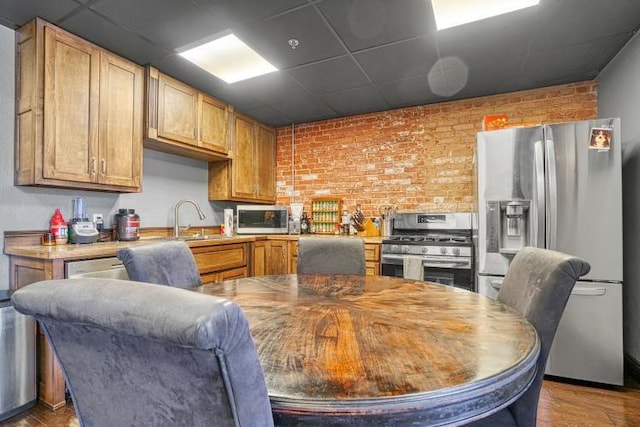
98 220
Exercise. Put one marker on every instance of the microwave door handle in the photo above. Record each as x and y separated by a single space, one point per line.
552 199
539 196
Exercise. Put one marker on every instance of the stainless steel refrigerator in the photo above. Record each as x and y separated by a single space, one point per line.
559 187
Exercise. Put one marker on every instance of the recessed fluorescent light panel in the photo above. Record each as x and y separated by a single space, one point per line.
229 59
451 13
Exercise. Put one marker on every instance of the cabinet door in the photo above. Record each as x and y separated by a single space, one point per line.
120 131
71 90
213 123
259 258
277 257
265 152
177 110
242 174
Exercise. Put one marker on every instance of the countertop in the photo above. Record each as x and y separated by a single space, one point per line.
105 249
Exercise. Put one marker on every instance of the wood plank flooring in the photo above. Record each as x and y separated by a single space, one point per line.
562 404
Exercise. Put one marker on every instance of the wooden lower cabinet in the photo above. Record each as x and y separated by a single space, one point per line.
50 379
270 257
371 256
221 262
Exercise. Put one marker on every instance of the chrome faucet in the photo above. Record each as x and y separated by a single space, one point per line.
176 227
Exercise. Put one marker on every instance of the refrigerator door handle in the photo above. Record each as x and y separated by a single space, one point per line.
552 199
539 196
496 284
591 292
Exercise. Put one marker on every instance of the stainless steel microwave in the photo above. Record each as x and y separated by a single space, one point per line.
256 219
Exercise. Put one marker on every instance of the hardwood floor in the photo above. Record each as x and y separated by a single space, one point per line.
562 404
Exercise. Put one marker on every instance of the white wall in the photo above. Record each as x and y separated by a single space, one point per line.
619 96
166 179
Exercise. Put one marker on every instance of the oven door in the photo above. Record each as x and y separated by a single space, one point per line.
450 271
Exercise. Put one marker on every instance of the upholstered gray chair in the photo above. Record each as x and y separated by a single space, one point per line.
537 284
168 263
140 354
331 255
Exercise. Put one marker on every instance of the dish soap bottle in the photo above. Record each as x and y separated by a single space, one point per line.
59 228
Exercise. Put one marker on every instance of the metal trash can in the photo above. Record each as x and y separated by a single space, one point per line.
17 359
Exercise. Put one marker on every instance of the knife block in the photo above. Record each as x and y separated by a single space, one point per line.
370 229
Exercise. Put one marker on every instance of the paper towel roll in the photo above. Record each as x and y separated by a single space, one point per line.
228 222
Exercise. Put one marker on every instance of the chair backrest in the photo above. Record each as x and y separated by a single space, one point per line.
331 255
142 354
538 285
168 263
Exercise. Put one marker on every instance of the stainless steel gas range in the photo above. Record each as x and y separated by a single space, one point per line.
443 241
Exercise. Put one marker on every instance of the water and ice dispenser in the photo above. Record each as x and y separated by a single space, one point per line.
507 226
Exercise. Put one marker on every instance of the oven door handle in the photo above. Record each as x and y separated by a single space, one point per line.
461 264
432 263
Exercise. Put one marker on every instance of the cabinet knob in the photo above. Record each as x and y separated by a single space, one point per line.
103 165
92 168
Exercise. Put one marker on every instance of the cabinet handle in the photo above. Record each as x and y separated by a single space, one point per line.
92 168
103 164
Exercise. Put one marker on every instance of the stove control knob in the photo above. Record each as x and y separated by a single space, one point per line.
425 249
395 249
405 249
456 251
443 250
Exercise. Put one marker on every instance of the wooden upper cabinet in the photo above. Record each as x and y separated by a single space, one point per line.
244 160
184 121
265 162
78 113
250 175
214 120
121 118
177 110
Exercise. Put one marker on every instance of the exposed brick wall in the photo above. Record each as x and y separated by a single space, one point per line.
417 158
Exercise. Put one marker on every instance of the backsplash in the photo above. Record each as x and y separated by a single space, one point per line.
415 158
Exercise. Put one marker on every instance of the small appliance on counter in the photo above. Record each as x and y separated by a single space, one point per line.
260 219
81 230
294 219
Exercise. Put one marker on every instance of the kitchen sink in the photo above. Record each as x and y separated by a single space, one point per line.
185 238
196 237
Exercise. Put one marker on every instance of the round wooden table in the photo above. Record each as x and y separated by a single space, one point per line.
375 350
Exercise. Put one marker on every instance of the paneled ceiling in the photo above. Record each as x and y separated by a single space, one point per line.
354 56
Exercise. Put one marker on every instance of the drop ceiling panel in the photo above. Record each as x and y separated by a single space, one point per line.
237 13
479 43
355 101
299 107
114 38
330 76
369 23
411 91
400 60
559 65
16 13
266 114
269 38
273 88
173 24
571 22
